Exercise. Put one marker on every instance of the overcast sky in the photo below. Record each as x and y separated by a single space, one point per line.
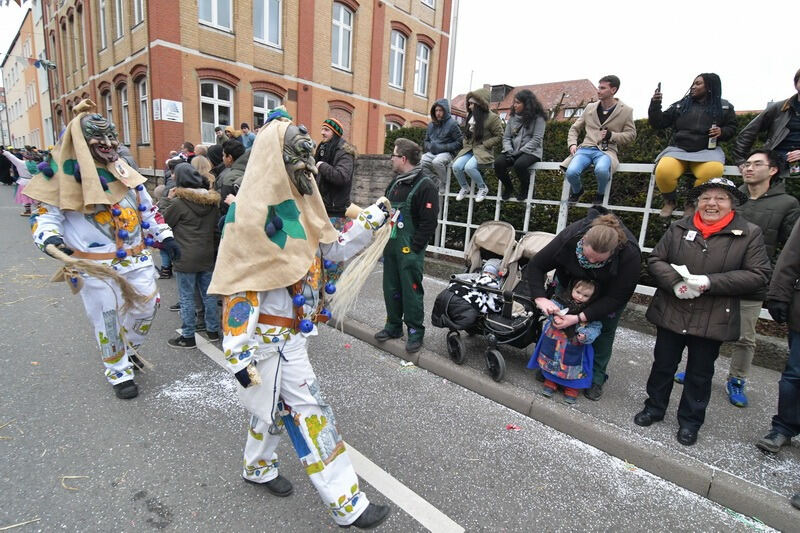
753 46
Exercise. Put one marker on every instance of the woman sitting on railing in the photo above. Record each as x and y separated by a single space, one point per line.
699 120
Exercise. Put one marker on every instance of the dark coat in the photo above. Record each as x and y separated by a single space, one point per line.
231 180
773 120
193 215
736 263
483 150
775 212
690 129
424 205
336 180
784 285
616 280
443 135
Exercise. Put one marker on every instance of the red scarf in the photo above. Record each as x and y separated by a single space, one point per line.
710 229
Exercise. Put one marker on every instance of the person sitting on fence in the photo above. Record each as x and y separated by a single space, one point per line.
699 120
443 139
522 143
608 124
483 132
565 356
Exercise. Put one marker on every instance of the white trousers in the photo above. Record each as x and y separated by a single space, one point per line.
290 390
117 332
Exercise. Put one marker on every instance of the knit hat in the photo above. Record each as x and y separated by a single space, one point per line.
719 183
492 266
215 154
334 125
188 177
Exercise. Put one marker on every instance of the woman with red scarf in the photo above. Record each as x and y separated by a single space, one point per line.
703 264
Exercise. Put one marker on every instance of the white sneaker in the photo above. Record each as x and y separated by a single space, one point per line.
482 192
462 193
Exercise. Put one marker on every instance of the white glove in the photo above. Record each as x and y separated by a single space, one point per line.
699 283
684 292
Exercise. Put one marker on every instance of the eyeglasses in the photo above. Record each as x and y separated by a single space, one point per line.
753 164
396 155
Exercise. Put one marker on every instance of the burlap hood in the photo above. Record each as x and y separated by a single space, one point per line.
71 154
249 260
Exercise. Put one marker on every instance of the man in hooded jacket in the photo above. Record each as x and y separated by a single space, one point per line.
443 140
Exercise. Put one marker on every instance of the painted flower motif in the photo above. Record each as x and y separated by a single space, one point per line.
102 217
129 219
237 312
406 250
289 214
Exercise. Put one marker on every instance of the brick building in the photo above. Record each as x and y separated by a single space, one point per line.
374 65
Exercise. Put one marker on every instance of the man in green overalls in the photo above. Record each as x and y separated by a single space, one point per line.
415 196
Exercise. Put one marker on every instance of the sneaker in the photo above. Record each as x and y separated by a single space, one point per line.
384 335
414 345
372 517
736 393
212 335
773 441
570 400
547 392
126 390
679 377
165 273
574 196
462 194
182 342
280 486
594 393
506 195
481 196
175 307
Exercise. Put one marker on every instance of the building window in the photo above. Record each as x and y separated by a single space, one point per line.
120 30
216 108
267 22
341 36
101 17
421 70
138 11
429 3
391 126
107 105
573 112
144 116
397 59
123 103
215 13
263 103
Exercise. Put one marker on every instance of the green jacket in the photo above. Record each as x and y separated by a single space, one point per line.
483 150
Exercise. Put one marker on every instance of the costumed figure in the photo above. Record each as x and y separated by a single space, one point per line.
276 249
96 216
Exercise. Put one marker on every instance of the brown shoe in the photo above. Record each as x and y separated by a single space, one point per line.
669 207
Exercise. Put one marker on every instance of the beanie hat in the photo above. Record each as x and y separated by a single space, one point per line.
188 177
492 266
334 125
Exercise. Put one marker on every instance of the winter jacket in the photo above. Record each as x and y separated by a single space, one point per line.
690 129
335 181
774 120
483 150
775 212
193 215
424 205
736 263
445 135
616 280
785 284
619 123
248 139
232 180
518 139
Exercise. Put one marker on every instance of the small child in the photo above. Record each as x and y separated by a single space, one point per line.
566 355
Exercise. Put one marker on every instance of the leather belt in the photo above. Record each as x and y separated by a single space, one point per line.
286 322
108 255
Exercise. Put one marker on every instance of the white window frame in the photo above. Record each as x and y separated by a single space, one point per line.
430 3
422 69
214 21
216 102
119 21
397 59
342 29
265 7
144 113
108 105
126 123
266 109
101 15
138 11
391 126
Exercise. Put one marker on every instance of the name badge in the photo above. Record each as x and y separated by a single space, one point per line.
690 235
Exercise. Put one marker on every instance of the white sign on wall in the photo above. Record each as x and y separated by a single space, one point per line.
169 110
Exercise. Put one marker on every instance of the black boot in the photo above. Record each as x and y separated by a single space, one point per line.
165 273
372 517
670 203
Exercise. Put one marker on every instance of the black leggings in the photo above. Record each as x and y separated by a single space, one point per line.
520 163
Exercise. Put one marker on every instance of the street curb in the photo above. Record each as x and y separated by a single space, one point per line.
719 486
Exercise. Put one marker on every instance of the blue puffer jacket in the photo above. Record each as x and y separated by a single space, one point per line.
445 135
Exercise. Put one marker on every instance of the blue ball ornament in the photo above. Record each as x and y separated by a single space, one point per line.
142 207
116 211
145 225
328 264
122 234
306 326
325 312
140 187
277 222
330 288
271 231
149 241
122 254
298 300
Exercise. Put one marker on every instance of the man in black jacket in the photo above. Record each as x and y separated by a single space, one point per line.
335 161
413 194
443 140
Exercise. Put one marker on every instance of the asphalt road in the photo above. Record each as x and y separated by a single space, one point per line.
78 459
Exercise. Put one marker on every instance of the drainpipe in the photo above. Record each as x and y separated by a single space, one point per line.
452 53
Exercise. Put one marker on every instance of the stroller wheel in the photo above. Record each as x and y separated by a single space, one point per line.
455 347
496 364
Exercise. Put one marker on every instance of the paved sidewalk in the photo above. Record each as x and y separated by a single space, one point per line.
724 465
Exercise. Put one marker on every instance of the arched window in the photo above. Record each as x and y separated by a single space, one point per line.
216 108
125 127
421 69
391 126
263 103
144 115
397 59
107 105
341 36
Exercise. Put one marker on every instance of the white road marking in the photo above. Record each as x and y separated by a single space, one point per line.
405 498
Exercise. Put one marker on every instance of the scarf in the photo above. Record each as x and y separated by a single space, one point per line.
585 263
710 229
327 151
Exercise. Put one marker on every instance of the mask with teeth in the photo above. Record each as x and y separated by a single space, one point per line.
298 156
101 136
